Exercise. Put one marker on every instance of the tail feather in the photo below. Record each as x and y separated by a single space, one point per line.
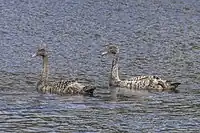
89 90
174 86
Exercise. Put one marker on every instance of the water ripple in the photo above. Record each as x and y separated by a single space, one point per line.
155 37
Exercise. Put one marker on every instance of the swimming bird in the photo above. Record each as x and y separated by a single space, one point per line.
148 82
61 87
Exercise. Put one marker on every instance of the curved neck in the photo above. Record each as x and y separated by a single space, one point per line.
114 76
45 71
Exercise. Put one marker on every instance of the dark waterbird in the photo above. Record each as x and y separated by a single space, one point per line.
148 82
61 87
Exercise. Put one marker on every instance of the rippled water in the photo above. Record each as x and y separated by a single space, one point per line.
155 37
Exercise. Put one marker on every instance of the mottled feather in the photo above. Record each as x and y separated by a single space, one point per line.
138 82
61 87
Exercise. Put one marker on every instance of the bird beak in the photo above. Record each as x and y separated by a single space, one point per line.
34 55
104 53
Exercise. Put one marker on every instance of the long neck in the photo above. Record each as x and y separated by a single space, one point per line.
114 76
45 70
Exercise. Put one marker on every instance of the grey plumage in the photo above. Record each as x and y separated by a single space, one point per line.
64 87
139 82
61 87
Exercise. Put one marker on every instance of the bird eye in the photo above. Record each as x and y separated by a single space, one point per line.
113 52
156 77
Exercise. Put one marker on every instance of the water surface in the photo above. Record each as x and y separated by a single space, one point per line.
154 36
